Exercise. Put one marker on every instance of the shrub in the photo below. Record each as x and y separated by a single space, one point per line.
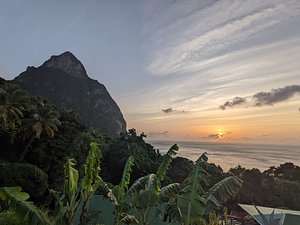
32 179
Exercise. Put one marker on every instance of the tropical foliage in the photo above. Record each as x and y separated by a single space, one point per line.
12 105
54 158
25 211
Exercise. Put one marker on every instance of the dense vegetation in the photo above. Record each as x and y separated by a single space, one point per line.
47 153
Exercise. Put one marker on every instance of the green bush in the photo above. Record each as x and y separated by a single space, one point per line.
32 179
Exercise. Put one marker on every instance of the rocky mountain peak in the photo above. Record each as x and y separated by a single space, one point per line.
68 63
64 82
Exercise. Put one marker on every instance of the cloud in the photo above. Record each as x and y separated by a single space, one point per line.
179 36
157 134
168 110
276 95
171 110
213 136
217 136
264 97
235 102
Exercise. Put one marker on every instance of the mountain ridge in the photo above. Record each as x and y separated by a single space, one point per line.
63 80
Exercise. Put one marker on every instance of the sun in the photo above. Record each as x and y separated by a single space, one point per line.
220 133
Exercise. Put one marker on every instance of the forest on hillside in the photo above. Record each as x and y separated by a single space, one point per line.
56 170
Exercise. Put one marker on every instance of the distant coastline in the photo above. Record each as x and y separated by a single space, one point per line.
229 155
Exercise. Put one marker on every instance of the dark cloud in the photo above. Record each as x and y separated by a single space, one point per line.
168 110
264 98
235 102
275 95
171 110
213 136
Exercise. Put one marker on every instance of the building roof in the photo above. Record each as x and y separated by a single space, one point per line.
286 217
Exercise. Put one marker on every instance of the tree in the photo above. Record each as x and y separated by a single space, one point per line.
44 120
146 159
12 105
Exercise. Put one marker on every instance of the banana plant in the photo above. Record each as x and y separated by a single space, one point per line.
73 195
212 219
193 202
25 210
68 202
118 193
91 180
145 192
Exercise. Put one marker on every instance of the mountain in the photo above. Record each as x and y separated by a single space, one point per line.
63 81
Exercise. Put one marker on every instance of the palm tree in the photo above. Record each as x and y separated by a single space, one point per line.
12 104
43 121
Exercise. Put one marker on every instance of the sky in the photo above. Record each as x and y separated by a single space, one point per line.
224 71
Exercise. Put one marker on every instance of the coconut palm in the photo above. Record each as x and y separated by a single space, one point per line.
43 121
12 105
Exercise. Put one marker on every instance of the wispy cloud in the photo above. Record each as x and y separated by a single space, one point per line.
264 97
158 134
202 53
207 30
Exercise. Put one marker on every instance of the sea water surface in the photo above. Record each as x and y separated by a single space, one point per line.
229 155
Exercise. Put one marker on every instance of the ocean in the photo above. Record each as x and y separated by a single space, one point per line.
229 155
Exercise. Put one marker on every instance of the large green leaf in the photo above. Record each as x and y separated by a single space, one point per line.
119 190
149 182
223 191
169 191
24 209
164 166
145 199
7 192
71 179
191 204
126 173
91 178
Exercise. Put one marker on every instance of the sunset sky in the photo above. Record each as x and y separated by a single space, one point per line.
204 70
